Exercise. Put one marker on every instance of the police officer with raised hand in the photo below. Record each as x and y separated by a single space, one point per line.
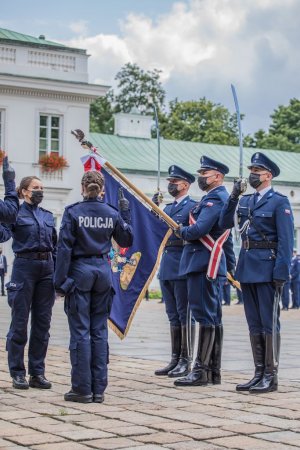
203 289
266 226
10 206
31 288
83 275
173 285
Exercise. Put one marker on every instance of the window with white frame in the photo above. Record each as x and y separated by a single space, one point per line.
49 135
1 129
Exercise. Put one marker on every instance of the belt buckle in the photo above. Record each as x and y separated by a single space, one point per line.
246 244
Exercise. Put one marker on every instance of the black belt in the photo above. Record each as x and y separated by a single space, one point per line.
177 243
259 244
34 255
90 256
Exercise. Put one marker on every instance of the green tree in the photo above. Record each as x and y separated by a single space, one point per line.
101 115
200 121
284 131
138 89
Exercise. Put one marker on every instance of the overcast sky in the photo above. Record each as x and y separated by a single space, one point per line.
202 46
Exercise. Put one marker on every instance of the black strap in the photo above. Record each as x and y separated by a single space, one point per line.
175 243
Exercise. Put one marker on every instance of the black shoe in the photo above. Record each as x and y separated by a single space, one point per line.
20 382
98 398
72 396
39 382
269 382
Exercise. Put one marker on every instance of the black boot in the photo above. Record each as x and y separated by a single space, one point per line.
185 361
175 344
198 375
214 370
269 381
258 351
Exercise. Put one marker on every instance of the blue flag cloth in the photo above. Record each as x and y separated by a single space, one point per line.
133 268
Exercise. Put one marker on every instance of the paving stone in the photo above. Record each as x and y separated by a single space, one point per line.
246 443
161 438
193 445
285 437
83 434
248 428
132 430
34 438
61 446
112 443
205 433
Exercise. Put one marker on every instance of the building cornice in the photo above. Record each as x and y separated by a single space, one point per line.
49 88
19 92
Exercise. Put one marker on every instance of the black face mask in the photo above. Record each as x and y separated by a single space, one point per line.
173 189
36 197
254 180
202 182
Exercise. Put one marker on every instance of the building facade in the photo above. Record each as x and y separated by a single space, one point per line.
45 93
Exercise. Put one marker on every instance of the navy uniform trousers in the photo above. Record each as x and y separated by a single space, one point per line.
258 267
174 286
31 289
88 308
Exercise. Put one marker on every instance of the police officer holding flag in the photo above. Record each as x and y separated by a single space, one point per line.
83 275
266 226
203 262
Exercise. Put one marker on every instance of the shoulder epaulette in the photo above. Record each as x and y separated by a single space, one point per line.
112 206
279 193
71 206
247 195
46 210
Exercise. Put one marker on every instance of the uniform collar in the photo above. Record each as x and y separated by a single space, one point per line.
180 199
30 207
263 191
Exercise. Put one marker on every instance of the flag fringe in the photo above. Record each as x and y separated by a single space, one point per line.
112 326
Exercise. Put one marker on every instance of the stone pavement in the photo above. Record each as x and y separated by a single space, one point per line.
142 411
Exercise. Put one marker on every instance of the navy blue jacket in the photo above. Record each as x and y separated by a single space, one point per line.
169 266
295 269
33 231
195 257
9 207
86 230
273 216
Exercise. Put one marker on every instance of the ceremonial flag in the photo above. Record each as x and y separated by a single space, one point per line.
133 268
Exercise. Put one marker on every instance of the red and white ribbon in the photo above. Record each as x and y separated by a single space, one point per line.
215 247
92 161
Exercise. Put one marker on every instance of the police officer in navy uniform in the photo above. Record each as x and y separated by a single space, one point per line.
203 293
31 288
9 207
173 285
295 281
266 225
83 275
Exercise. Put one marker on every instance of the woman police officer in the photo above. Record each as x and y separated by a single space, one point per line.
31 288
83 275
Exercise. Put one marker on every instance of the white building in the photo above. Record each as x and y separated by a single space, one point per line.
44 94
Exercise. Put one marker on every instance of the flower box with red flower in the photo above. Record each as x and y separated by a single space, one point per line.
53 162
